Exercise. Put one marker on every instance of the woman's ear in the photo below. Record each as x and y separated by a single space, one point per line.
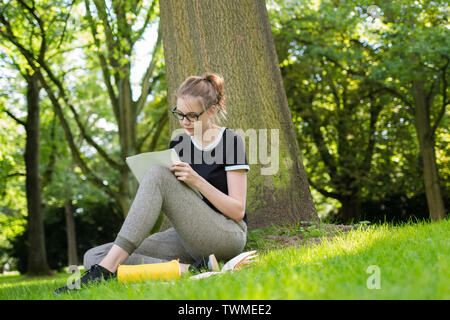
212 110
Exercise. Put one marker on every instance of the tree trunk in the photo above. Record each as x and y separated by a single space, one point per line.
234 38
350 210
37 256
127 138
70 230
427 151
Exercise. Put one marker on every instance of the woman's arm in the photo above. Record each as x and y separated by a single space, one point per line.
233 204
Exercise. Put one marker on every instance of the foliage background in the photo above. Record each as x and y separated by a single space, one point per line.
330 52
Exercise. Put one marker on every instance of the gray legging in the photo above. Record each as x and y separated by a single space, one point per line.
197 229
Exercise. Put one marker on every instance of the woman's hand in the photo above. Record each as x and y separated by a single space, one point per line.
184 172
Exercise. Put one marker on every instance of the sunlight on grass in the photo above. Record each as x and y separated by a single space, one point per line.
413 260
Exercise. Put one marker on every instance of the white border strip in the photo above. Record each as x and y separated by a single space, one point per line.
237 167
211 146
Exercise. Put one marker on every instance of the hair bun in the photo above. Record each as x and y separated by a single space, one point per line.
207 90
219 84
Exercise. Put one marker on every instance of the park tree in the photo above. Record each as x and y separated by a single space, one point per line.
325 64
416 49
114 29
59 181
37 257
26 45
13 206
356 132
234 38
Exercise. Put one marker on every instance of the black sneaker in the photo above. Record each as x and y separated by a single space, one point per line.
94 275
209 263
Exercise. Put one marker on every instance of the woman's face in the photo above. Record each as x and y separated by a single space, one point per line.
203 123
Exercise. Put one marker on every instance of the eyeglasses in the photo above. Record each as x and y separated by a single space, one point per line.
191 116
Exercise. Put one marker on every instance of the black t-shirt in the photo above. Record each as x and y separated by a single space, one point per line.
212 163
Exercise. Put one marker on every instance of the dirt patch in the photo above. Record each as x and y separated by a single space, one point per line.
292 241
338 227
304 239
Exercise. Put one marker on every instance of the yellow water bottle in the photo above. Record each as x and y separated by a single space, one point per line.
155 271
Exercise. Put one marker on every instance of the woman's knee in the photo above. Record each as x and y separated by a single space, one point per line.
156 172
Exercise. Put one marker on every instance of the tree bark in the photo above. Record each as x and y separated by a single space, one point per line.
71 236
234 38
427 151
37 256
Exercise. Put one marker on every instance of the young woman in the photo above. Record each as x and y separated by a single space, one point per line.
206 225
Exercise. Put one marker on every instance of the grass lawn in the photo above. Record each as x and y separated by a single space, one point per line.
411 261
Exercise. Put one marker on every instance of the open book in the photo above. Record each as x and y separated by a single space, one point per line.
140 163
240 261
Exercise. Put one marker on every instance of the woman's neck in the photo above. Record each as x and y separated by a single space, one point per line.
208 136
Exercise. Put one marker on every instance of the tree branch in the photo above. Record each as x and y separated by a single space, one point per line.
100 5
146 78
57 107
43 46
398 95
10 36
65 24
103 64
431 93
15 174
324 192
19 121
91 176
47 176
314 124
86 136
161 124
375 110
123 28
142 140
154 132
444 99
147 20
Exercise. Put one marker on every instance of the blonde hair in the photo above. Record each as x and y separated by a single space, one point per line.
208 90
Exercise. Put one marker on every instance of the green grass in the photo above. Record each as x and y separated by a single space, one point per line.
413 260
